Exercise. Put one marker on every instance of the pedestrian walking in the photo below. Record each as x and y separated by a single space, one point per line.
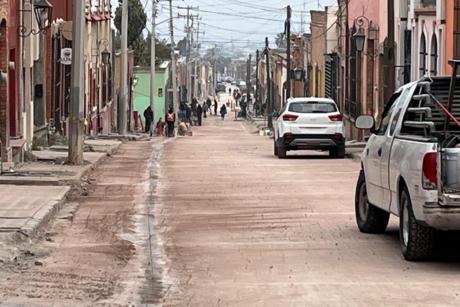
205 109
215 107
230 91
170 119
148 115
223 111
159 127
199 111
209 103
189 115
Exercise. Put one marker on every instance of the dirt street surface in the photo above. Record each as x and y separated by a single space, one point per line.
243 228
217 220
96 252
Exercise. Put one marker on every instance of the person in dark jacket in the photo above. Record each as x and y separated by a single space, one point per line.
148 115
170 119
199 111
223 111
209 103
215 106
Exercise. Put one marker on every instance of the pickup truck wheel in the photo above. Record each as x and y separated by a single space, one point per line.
282 152
417 241
369 218
275 146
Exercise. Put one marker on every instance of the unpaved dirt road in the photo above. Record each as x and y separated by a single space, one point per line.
99 255
217 220
243 228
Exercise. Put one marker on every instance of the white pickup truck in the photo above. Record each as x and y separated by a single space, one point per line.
411 166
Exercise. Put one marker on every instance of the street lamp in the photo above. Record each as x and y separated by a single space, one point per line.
359 37
105 53
298 74
43 11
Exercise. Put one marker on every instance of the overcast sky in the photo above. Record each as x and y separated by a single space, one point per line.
235 21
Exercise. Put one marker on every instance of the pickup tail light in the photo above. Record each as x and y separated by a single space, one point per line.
290 117
336 117
429 172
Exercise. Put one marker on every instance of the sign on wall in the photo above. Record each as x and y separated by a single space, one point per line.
160 92
66 56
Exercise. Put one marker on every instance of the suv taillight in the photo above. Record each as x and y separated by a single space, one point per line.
429 172
290 117
336 117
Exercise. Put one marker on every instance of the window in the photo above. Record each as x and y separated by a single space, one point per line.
312 107
423 55
388 112
434 56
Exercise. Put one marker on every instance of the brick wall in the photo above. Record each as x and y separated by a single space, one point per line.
48 74
4 59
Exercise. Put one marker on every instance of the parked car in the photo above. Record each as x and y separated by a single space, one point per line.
242 87
233 82
410 167
220 88
309 123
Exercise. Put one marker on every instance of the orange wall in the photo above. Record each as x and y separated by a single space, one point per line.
449 35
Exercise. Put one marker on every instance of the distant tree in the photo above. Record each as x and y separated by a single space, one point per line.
137 23
182 46
162 50
280 40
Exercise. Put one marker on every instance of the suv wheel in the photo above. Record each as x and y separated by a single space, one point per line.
282 152
369 218
337 152
275 147
417 241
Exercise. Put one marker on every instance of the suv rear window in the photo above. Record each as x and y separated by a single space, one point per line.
312 107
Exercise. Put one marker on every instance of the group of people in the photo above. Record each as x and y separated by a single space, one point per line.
185 116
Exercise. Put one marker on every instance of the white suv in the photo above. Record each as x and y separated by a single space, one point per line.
310 123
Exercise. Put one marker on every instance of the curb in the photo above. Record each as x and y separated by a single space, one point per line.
48 211
44 215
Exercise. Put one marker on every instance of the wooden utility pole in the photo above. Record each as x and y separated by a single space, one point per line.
391 47
288 52
256 95
76 126
248 82
269 102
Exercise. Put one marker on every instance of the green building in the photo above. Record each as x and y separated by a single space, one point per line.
142 91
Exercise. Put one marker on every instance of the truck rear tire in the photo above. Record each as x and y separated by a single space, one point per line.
369 218
282 152
417 241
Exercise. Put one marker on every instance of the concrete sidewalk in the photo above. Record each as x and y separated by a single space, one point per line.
32 194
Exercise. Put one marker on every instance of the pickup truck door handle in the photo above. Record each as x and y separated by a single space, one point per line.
379 152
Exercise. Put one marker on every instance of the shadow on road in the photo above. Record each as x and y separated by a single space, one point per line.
447 250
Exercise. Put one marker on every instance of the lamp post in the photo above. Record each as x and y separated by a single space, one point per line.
105 55
359 39
43 11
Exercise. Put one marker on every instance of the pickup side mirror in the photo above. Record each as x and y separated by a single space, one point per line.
365 122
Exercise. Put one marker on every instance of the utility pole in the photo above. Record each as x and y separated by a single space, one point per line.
152 62
269 103
256 96
76 126
391 48
288 51
249 78
196 58
124 69
188 46
175 106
